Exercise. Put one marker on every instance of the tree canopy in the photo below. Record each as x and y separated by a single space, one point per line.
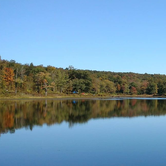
29 79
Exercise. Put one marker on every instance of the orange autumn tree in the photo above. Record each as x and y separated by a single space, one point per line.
8 77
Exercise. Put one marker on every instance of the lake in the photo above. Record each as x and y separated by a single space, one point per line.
92 132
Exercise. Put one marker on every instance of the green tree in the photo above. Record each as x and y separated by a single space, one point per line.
61 80
152 88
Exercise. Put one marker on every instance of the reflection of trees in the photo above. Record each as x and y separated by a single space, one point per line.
18 114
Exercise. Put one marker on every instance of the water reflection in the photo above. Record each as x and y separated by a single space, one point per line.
19 114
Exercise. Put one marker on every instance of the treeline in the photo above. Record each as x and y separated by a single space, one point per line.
16 78
27 114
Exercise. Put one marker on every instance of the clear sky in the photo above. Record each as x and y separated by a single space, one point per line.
105 35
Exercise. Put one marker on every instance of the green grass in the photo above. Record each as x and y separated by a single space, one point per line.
61 95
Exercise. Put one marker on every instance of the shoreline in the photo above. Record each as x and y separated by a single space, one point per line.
81 97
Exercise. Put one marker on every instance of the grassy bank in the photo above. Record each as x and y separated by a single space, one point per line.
59 96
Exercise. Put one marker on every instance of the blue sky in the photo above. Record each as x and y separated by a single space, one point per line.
105 35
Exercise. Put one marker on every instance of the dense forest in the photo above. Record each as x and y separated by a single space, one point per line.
16 78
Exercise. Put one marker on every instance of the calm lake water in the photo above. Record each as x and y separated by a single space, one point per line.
115 132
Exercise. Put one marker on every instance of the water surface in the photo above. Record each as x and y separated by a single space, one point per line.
83 132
